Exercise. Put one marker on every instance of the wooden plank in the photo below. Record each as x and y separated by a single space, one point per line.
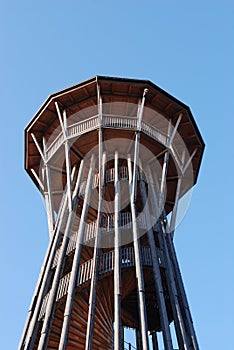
53 293
138 262
76 260
29 333
93 286
156 269
117 263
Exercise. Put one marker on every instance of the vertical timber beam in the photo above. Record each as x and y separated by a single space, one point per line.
172 135
178 277
53 292
117 264
49 196
136 242
175 208
155 340
44 276
138 339
177 314
76 260
94 278
122 338
180 286
30 324
63 123
178 318
156 269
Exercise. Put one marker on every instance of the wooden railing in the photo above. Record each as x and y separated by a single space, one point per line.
54 146
107 228
155 133
119 122
109 177
108 121
82 127
106 265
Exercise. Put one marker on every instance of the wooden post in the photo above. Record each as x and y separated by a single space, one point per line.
64 199
155 340
162 191
49 196
180 286
44 276
30 328
49 199
76 260
177 274
53 292
175 208
138 339
36 300
171 137
122 337
156 269
63 124
178 318
138 264
177 195
38 180
94 278
136 241
68 162
117 264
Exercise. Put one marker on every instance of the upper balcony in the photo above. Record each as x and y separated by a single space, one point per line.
120 100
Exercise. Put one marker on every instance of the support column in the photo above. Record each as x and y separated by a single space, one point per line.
180 287
33 312
175 209
30 330
117 263
63 124
49 195
156 269
76 260
94 278
162 190
122 337
138 262
177 274
138 339
155 340
178 318
136 241
53 292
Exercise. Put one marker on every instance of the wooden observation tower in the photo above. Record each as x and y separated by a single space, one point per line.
111 157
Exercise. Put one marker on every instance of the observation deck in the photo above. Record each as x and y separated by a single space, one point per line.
120 98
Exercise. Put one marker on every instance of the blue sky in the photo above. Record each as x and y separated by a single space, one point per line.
187 48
